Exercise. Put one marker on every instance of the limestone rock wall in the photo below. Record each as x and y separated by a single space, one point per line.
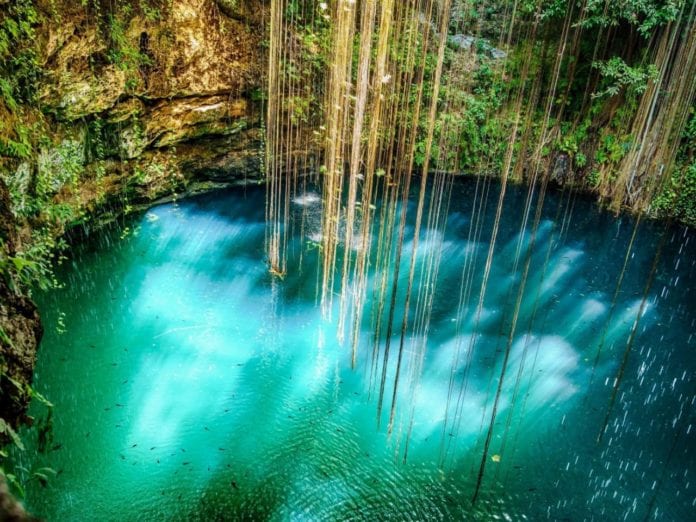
187 75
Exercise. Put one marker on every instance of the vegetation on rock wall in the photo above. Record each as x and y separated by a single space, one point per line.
614 68
678 196
594 92
105 105
111 103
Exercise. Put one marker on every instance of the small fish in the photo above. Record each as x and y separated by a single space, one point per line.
234 484
134 445
153 447
221 449
185 463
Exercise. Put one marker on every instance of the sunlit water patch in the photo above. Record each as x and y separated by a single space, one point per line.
191 385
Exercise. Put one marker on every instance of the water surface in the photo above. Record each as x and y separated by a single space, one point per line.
190 385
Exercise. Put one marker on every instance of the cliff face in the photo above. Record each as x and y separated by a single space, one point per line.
178 81
20 330
131 101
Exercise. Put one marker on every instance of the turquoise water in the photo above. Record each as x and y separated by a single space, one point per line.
190 385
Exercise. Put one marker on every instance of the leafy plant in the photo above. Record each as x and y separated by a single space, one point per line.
7 430
618 76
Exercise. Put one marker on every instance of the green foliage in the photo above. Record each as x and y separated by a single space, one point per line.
32 267
257 94
612 149
580 160
7 431
12 479
571 140
20 146
618 76
299 107
95 141
58 167
678 195
19 67
552 9
42 475
152 13
124 53
19 74
21 476
689 135
593 179
645 15
477 132
305 68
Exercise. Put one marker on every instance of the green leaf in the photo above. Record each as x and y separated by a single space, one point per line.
5 338
39 397
12 480
21 263
7 429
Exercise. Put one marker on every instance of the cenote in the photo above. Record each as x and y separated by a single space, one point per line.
190 384
400 260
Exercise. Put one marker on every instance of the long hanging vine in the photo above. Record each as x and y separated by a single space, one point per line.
395 100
